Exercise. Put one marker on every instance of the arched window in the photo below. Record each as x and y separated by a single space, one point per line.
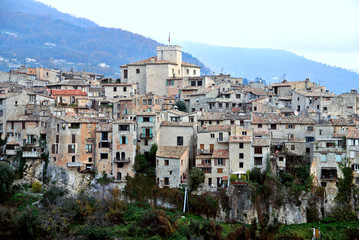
123 155
119 176
117 155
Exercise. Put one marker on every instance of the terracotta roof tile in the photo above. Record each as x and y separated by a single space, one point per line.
220 153
67 92
171 151
238 139
215 128
263 142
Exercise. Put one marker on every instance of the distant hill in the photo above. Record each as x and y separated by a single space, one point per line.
270 64
34 34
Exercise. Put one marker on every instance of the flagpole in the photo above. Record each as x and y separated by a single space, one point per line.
169 39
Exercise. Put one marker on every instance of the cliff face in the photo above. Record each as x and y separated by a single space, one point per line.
289 211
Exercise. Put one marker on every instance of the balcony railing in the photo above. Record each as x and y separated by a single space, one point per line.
73 164
32 154
11 152
149 136
222 139
203 151
122 160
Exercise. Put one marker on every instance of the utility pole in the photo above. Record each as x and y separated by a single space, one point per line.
185 199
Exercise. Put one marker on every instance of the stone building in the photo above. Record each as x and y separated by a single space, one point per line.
152 74
71 142
124 142
175 133
148 124
119 90
172 166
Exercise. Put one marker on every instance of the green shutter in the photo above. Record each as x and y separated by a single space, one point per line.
150 132
126 140
120 140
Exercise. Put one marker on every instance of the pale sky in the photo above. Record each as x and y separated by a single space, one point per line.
323 30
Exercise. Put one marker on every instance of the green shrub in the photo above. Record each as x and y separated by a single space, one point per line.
7 177
36 187
52 195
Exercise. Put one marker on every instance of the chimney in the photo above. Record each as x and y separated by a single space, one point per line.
306 83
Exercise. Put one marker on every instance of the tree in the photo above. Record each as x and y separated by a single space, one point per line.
181 105
195 178
7 177
345 183
141 164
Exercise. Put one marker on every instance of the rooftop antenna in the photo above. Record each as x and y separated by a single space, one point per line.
169 38
283 78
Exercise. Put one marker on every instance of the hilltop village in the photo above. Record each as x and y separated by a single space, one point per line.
86 124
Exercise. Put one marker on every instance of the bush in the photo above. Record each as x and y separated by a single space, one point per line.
36 187
52 195
7 177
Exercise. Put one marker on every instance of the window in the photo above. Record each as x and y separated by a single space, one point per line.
281 159
320 131
193 83
187 71
90 159
211 148
71 148
115 89
219 170
125 73
123 127
240 164
323 158
338 158
144 101
220 162
273 126
258 161
179 141
103 156
290 126
292 147
166 181
104 145
32 98
194 72
149 101
240 145
254 108
166 162
138 70
23 125
241 155
57 138
199 83
310 128
73 159
125 89
238 95
123 140
309 139
207 161
54 149
209 181
260 125
244 133
88 148
258 150
73 138
212 135
104 136
1 113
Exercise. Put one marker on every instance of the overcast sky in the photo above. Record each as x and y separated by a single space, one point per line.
322 30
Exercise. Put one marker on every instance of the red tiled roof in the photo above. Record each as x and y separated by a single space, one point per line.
238 139
67 92
215 128
353 134
220 153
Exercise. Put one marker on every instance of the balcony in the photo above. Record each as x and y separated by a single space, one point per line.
149 136
32 154
73 164
122 160
11 152
223 140
204 151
